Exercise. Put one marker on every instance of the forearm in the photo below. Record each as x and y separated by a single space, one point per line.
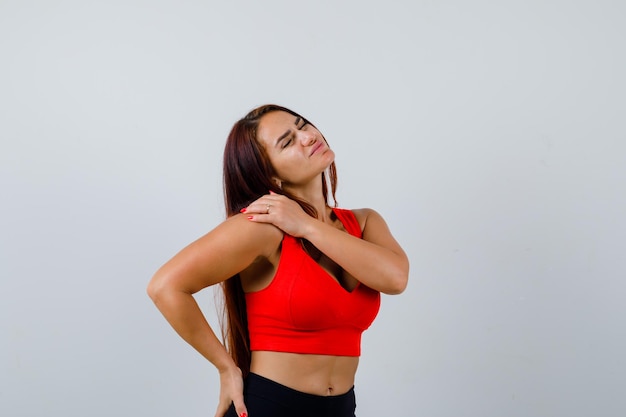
182 312
376 266
376 260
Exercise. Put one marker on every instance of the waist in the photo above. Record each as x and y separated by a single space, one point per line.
322 375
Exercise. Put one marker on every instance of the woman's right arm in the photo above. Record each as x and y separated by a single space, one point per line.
225 251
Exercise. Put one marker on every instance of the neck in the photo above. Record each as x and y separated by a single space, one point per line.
312 194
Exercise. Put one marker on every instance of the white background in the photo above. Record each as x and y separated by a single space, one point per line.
490 135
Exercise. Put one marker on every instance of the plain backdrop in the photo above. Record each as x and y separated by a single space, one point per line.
491 135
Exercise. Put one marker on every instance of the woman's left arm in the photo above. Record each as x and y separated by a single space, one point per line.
376 260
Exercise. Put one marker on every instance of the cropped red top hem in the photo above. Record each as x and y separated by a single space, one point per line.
305 310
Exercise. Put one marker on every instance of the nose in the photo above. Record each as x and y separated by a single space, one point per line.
308 138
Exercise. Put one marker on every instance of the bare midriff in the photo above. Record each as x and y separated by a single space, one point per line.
314 374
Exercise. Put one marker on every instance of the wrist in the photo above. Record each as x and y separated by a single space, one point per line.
313 229
226 365
310 229
227 371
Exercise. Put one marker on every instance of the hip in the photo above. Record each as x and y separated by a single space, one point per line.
267 398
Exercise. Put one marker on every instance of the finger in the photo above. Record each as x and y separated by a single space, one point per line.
272 196
258 206
264 208
262 204
240 408
260 218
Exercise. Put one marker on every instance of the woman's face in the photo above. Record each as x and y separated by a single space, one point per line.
296 150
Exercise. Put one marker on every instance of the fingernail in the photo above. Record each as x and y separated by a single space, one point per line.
243 210
250 217
243 415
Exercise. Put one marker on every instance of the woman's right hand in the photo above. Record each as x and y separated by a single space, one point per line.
231 391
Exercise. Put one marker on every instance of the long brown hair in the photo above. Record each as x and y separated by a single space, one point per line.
248 175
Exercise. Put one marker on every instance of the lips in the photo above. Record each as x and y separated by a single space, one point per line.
316 148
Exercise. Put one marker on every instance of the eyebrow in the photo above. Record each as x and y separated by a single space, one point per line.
284 135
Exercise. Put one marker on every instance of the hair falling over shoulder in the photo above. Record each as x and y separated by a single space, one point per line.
249 175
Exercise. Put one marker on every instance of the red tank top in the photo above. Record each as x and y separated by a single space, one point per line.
305 310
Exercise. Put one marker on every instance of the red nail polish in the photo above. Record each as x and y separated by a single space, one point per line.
250 217
243 210
243 415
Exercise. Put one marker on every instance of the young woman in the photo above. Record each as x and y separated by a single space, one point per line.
301 278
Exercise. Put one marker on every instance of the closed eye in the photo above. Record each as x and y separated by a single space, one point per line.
287 138
286 142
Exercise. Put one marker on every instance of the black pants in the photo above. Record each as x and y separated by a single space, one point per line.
266 398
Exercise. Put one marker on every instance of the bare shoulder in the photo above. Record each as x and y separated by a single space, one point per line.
221 253
241 224
363 214
375 228
262 238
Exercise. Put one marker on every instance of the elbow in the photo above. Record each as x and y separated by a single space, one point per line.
164 288
397 285
156 287
399 281
152 290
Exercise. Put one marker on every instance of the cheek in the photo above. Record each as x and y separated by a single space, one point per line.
287 171
284 165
